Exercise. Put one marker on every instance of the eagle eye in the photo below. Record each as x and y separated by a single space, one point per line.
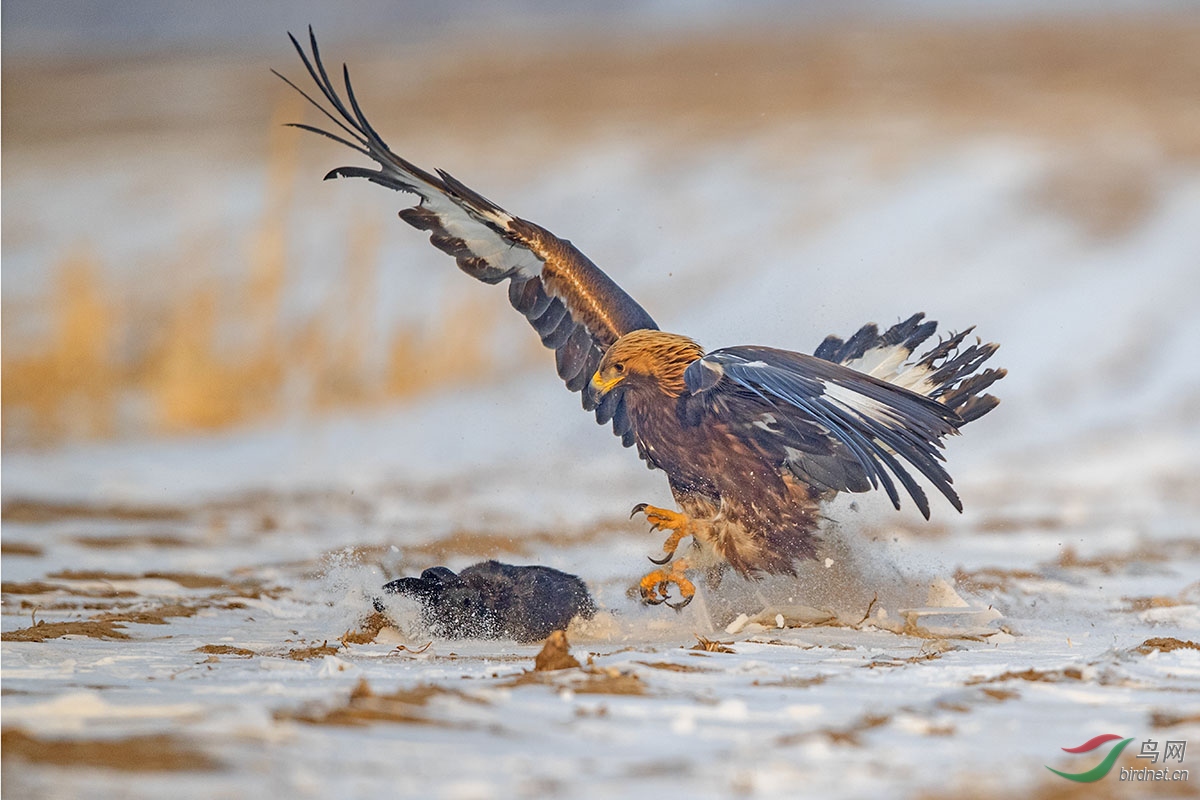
618 367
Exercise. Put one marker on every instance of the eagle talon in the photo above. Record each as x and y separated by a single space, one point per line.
655 587
662 519
682 603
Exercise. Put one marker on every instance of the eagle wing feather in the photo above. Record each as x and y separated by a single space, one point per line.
831 426
576 309
945 372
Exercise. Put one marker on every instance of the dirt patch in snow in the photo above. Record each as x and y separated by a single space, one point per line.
791 682
584 680
365 707
8 548
850 735
1166 644
106 625
44 587
43 511
132 540
1033 676
317 651
184 579
157 753
225 650
1139 604
42 631
555 654
1170 719
671 666
156 615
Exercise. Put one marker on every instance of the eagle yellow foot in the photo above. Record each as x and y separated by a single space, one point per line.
661 519
656 585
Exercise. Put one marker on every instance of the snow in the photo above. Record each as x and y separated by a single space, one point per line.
1078 543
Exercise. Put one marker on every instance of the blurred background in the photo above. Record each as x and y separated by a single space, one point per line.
174 265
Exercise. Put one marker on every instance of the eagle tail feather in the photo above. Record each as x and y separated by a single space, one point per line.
948 372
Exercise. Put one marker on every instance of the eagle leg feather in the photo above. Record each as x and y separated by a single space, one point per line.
656 585
662 519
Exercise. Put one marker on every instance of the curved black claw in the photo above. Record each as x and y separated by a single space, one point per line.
664 559
679 606
651 601
639 508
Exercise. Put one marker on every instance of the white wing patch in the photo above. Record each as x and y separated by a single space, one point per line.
915 378
861 405
881 362
869 427
888 364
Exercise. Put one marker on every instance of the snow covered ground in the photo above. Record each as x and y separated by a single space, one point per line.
175 607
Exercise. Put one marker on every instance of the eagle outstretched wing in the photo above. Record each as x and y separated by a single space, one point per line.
576 309
845 418
834 428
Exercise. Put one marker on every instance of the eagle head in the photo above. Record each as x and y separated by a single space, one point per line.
646 359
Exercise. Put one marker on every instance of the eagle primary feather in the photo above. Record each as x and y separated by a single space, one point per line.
577 310
752 438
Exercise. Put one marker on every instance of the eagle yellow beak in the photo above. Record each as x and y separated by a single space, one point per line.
601 386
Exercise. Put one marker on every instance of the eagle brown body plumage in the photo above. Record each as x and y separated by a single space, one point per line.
752 439
752 516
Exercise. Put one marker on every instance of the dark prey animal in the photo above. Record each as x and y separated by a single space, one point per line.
753 439
491 600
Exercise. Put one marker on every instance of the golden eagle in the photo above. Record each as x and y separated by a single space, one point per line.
752 438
